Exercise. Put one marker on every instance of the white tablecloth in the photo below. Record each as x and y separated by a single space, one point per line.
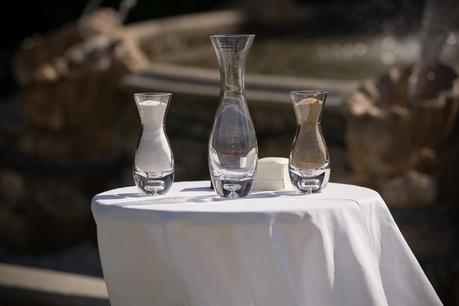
340 247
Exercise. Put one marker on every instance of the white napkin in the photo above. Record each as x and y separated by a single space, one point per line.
272 175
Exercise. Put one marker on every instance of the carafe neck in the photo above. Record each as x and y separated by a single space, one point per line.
232 76
232 52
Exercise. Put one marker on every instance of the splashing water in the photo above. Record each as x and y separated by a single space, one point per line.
437 24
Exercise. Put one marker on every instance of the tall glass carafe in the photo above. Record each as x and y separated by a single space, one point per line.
154 162
233 151
309 162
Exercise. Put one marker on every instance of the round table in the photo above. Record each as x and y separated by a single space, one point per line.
189 247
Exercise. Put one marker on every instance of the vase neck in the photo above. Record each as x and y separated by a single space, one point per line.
308 114
152 115
232 52
308 106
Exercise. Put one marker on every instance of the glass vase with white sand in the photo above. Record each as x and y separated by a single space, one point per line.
154 163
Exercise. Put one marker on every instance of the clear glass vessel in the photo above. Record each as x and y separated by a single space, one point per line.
154 162
233 151
309 162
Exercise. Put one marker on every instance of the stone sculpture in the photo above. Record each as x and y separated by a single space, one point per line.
399 127
70 96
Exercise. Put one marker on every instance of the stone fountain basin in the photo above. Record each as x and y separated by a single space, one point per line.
183 61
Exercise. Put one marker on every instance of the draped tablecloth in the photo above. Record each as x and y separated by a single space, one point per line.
339 247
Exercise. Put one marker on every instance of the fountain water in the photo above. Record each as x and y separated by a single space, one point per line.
438 22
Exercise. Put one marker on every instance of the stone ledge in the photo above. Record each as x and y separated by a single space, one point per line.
32 286
205 82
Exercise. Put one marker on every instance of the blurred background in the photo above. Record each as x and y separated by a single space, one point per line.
69 126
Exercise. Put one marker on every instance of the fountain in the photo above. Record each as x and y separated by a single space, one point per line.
400 136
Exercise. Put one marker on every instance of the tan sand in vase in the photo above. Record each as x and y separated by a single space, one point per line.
309 151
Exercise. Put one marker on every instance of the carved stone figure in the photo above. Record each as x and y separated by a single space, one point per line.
397 128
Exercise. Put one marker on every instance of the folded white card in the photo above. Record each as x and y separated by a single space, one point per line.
272 175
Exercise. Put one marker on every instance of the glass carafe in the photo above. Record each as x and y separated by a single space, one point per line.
309 162
233 151
154 162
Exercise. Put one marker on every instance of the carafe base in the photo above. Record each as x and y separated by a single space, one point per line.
232 188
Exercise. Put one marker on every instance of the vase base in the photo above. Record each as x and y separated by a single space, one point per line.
310 181
153 185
